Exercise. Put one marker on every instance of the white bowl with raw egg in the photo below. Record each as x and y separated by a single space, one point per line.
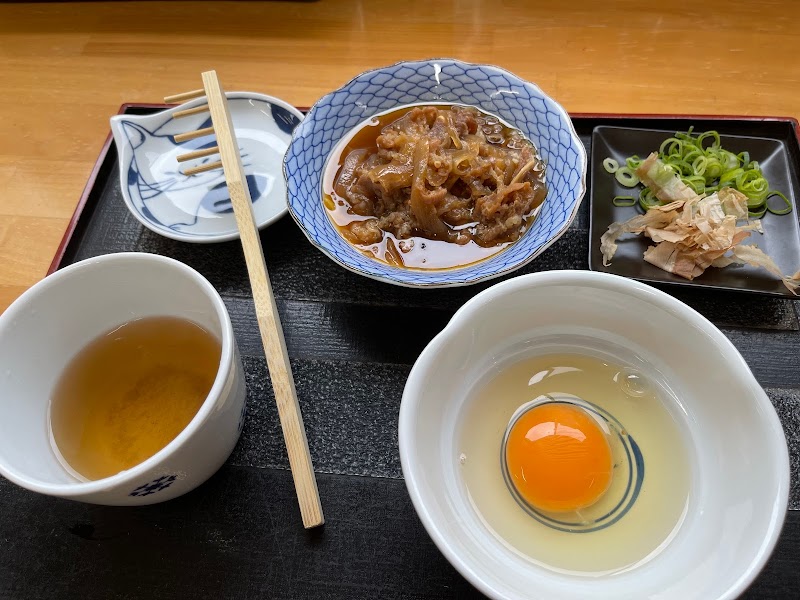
574 434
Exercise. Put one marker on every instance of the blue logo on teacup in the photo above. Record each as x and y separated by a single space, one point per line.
154 486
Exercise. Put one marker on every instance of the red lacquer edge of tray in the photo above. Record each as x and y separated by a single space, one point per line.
73 223
76 215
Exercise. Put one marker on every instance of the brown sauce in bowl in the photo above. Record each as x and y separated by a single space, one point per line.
433 186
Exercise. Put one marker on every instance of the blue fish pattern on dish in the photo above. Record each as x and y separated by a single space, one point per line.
219 201
197 208
285 120
175 181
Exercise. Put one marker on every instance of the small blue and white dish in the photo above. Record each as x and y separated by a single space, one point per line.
197 208
518 103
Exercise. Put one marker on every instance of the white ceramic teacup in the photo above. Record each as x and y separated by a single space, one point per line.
52 321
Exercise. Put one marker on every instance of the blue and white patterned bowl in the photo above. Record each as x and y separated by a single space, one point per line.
492 89
197 208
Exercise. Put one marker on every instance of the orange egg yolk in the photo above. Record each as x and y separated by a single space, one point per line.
558 458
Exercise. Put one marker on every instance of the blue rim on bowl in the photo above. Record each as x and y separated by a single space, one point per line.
491 89
740 486
197 208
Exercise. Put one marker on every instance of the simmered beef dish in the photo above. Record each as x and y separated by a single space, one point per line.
447 173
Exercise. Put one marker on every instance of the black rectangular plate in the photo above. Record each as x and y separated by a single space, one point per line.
781 238
239 535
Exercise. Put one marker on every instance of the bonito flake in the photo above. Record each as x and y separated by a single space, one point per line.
692 232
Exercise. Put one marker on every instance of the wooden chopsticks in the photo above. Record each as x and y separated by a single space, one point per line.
185 96
280 370
190 135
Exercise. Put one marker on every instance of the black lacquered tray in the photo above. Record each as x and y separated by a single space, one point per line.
352 342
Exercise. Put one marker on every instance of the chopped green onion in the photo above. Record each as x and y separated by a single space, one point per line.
684 168
610 165
702 164
778 211
647 199
696 182
713 169
699 165
671 147
708 134
728 179
624 201
626 177
692 155
728 159
633 162
757 214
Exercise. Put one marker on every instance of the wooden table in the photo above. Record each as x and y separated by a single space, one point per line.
65 68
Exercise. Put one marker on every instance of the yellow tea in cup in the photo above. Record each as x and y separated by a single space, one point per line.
129 393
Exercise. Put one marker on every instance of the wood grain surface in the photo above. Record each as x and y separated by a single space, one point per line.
65 69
